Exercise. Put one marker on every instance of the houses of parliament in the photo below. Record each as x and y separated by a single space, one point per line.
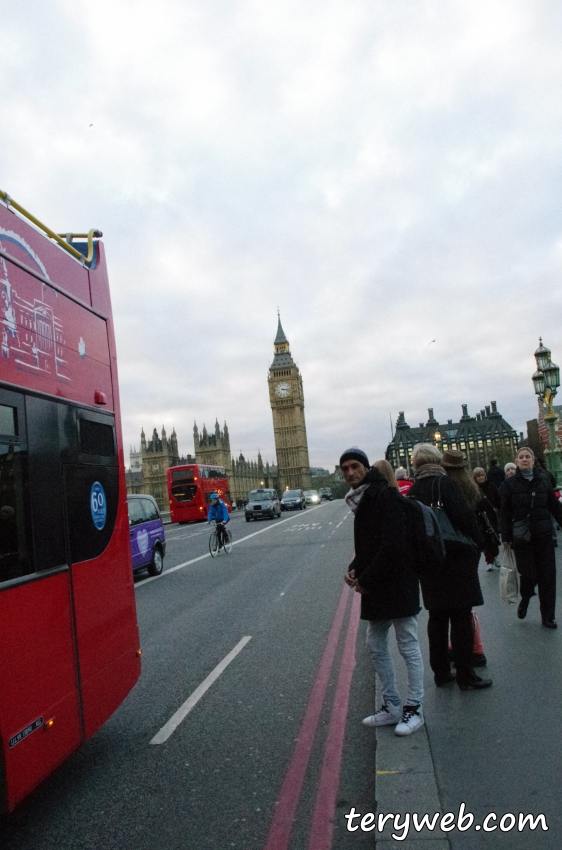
147 473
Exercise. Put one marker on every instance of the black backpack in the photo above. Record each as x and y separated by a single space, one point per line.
428 543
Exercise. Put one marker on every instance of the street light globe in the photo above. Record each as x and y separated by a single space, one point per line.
539 383
437 436
552 376
542 356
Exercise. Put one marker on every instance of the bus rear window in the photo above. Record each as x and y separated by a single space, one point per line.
182 474
184 492
96 438
8 421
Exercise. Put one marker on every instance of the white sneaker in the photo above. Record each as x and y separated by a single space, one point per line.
412 720
387 715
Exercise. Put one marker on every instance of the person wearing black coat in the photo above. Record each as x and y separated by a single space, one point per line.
495 473
529 495
487 513
449 593
384 571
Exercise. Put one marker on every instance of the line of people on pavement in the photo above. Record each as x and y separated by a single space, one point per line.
389 566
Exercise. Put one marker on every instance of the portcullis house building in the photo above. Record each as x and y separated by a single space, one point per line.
479 437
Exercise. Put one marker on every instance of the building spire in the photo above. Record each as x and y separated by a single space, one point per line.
280 338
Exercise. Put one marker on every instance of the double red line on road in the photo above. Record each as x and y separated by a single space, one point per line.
289 796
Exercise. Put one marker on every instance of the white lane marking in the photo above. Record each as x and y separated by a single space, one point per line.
339 523
208 554
185 536
170 727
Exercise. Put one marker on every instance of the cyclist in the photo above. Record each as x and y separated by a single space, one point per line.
218 512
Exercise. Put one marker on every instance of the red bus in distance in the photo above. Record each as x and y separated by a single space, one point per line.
190 488
69 644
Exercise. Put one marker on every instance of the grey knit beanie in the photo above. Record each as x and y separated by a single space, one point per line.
355 453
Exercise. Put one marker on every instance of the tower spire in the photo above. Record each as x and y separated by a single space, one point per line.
280 338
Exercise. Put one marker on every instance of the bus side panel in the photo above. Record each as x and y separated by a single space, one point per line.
51 343
106 627
37 682
41 255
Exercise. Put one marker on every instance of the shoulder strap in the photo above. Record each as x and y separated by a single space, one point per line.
436 503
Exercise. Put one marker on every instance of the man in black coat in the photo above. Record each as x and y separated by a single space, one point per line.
384 572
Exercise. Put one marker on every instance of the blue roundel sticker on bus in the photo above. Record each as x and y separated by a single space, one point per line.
98 505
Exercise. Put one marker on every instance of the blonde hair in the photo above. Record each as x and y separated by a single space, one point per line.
425 453
385 469
477 470
466 484
525 449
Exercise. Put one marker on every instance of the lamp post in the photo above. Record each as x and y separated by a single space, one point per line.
437 438
546 381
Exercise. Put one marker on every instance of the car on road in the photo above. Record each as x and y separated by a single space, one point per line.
263 502
148 541
312 497
325 494
293 500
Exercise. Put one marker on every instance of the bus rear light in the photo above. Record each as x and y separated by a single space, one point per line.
99 397
49 724
138 653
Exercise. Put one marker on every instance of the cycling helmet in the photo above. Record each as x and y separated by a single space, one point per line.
214 496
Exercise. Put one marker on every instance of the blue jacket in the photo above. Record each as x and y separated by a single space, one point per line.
218 512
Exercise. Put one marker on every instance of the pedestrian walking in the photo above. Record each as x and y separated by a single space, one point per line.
487 511
450 593
384 572
387 472
528 501
509 469
495 473
402 480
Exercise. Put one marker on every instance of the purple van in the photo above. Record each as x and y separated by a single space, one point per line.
148 544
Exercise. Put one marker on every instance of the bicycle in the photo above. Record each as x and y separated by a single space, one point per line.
214 547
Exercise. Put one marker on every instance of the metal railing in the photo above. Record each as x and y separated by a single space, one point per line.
62 239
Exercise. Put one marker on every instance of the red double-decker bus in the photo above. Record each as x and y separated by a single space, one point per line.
69 646
190 488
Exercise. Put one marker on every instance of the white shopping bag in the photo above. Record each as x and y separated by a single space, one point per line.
509 584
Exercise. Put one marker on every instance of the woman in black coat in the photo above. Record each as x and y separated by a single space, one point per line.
491 502
529 495
449 593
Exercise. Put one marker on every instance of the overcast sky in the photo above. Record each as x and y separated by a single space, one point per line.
387 173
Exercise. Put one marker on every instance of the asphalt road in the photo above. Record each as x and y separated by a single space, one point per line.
247 766
272 755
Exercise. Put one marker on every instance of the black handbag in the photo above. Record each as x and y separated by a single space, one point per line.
522 527
456 543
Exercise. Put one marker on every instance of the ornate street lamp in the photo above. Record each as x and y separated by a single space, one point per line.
546 381
437 438
542 356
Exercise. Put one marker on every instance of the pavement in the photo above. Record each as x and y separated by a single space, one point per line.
495 752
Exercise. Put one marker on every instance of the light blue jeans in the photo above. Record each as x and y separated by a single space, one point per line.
406 629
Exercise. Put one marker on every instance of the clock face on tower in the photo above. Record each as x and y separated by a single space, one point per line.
282 389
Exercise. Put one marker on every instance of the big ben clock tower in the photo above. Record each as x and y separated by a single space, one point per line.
287 406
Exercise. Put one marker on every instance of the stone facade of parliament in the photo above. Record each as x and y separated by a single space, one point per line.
148 467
